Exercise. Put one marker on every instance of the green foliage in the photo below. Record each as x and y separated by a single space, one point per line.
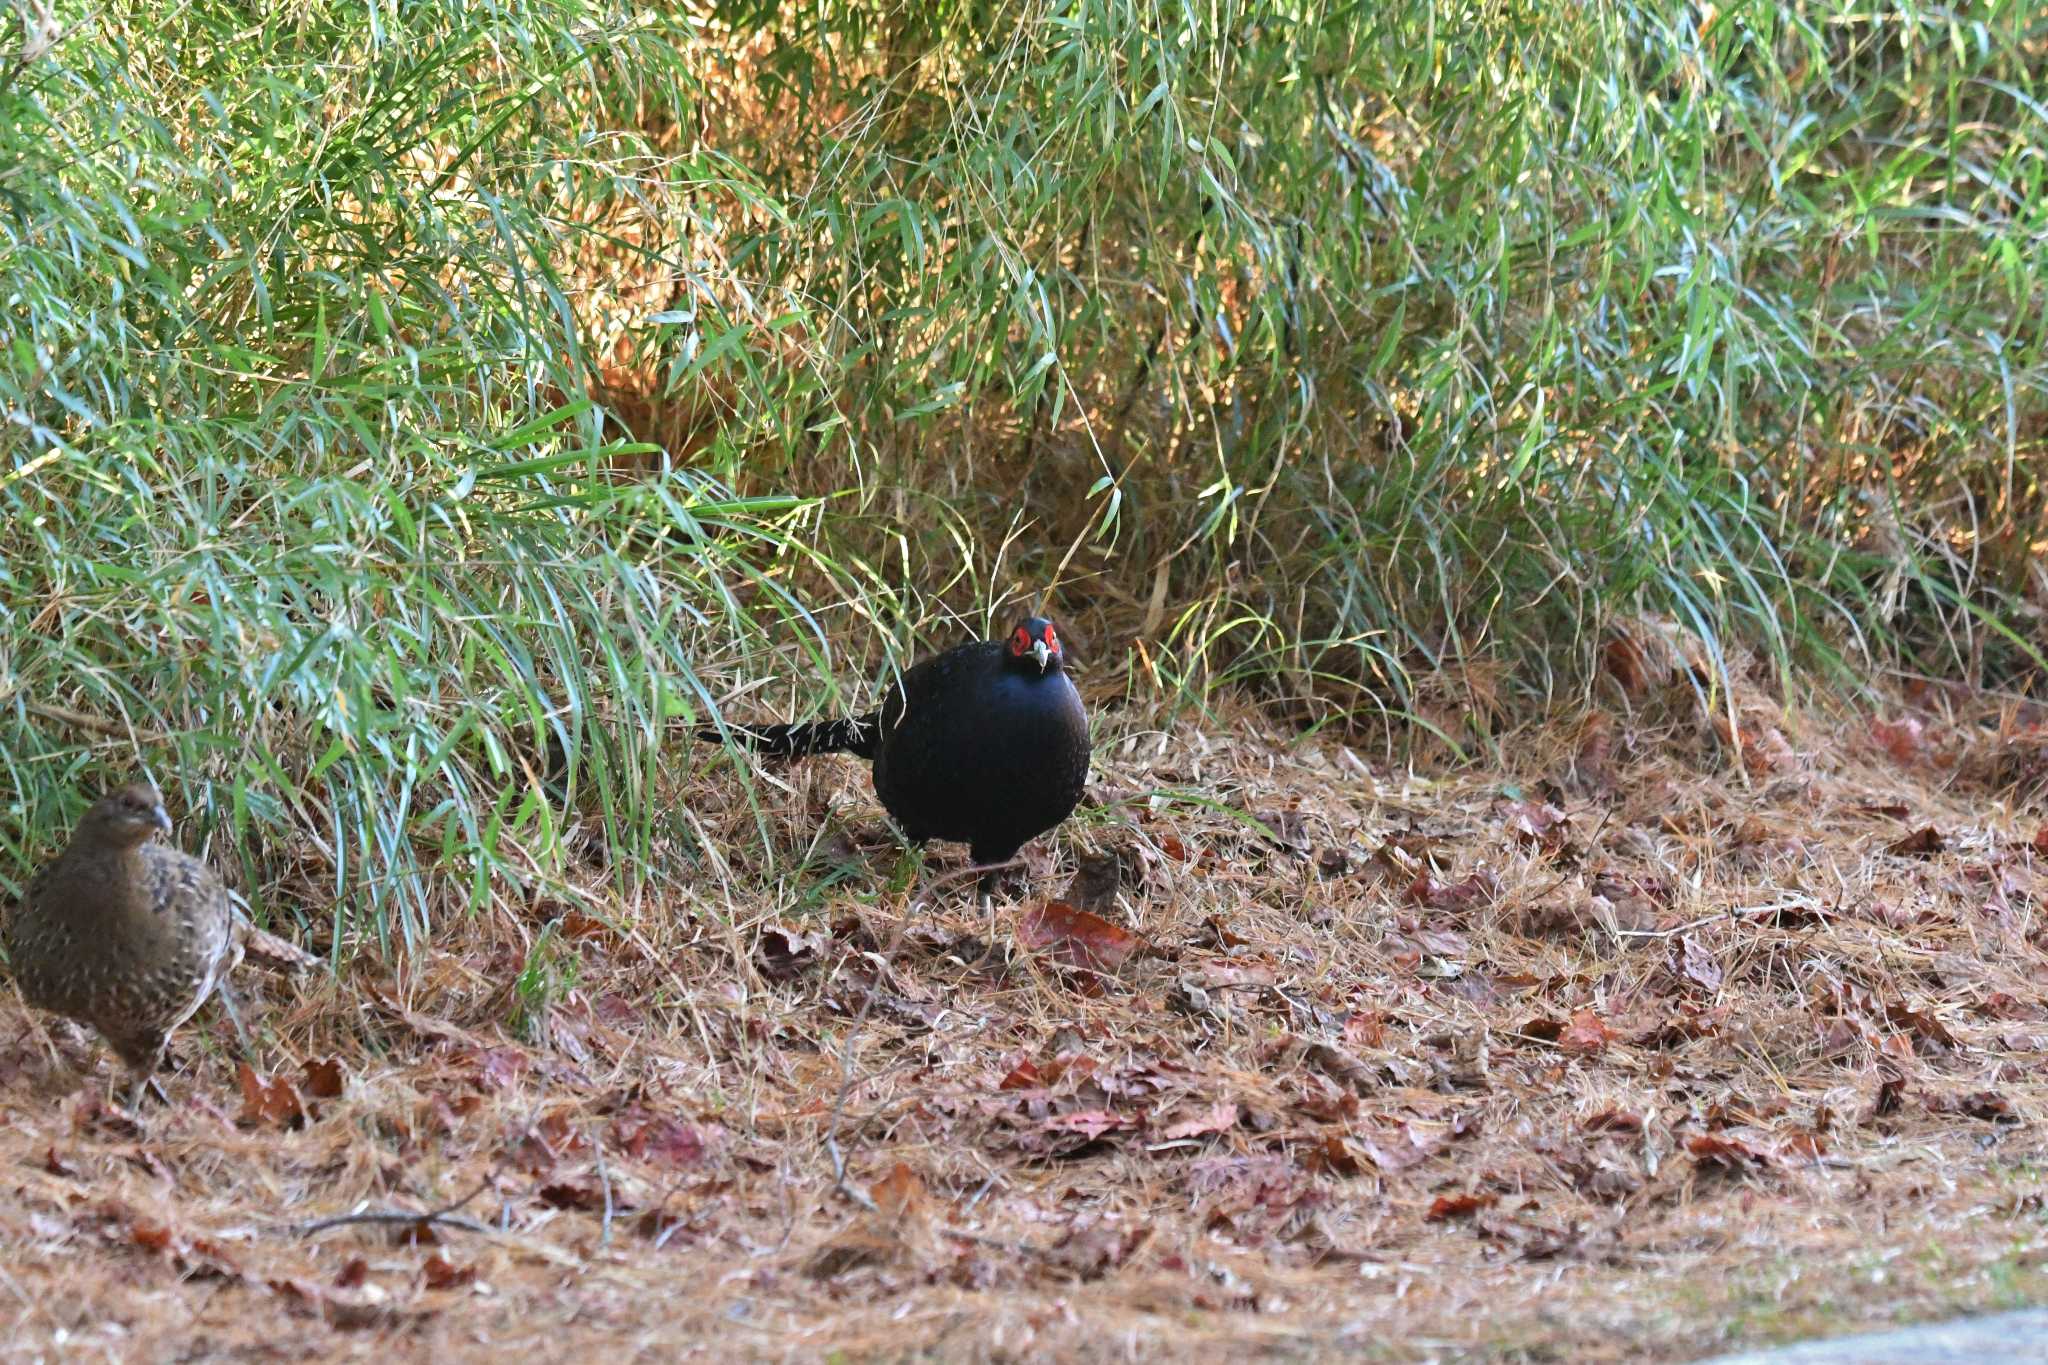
290 513
1315 342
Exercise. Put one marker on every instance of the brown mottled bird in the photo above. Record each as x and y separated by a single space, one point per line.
122 933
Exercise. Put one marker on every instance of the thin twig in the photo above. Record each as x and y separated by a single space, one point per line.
604 1178
958 874
1734 912
1023 1248
445 1215
858 1196
393 1217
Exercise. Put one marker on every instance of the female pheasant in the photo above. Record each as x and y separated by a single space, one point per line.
124 934
986 743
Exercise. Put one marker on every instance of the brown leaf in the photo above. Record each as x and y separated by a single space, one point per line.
1988 1105
659 1139
1698 965
1340 1066
1023 1076
1726 1152
1079 938
1407 1145
1334 1155
2041 841
323 1078
266 950
1220 1117
1537 824
1430 892
1586 1033
1614 1121
499 1068
1891 1093
438 1273
1096 881
900 1193
577 925
1089 1123
1449 1206
784 952
1921 843
353 1274
1627 663
1905 741
579 1195
272 1102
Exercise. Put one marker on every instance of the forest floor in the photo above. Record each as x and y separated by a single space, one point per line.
1623 1048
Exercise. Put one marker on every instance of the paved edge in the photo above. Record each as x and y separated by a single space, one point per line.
2017 1337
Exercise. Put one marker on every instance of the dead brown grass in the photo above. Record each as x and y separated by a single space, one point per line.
1618 1055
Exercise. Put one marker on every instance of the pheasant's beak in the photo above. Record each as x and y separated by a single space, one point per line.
1042 652
162 818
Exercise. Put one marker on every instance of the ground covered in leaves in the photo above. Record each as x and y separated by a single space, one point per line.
1680 1031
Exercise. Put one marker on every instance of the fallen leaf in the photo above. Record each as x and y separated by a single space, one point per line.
270 1101
323 1078
1023 1076
1407 1145
1727 1153
578 1195
577 925
899 1193
1905 741
1340 1066
1614 1121
1428 891
1537 824
1083 940
1698 965
784 952
352 1274
1449 1206
1891 1093
438 1273
1220 1117
1089 1123
659 1139
1586 1033
1921 843
1336 1156
1988 1105
499 1068
1627 663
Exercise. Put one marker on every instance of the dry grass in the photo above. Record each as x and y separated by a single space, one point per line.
1430 1075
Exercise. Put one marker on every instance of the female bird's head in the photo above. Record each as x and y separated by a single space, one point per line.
1035 645
125 818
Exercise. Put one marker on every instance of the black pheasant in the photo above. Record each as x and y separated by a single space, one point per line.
986 743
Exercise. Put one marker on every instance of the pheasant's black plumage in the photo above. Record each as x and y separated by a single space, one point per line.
986 743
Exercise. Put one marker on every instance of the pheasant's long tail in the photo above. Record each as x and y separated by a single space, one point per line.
852 735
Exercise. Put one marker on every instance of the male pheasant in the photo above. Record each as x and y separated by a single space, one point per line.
986 743
124 934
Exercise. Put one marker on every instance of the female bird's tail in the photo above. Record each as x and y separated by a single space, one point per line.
852 735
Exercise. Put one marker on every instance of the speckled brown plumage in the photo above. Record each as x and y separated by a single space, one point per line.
122 933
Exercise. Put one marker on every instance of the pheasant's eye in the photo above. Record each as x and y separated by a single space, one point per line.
1052 641
1020 643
